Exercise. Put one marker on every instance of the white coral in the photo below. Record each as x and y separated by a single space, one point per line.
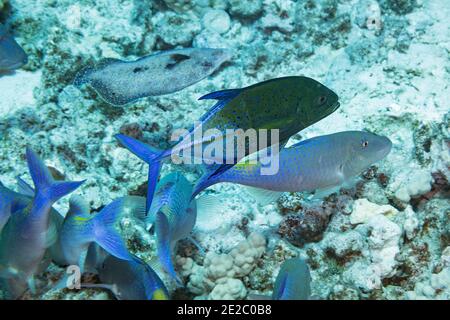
437 287
220 272
410 183
363 210
231 289
382 244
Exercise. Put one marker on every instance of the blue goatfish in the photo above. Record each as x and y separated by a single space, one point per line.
11 202
26 236
173 215
12 55
80 229
286 105
293 281
315 164
130 280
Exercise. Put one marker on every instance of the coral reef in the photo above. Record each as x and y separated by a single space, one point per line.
221 275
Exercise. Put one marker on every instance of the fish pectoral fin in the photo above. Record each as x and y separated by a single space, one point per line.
207 206
263 196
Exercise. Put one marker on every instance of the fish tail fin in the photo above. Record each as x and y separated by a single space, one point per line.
43 181
150 155
163 240
24 188
104 231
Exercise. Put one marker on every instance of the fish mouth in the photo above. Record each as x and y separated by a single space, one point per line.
335 106
386 149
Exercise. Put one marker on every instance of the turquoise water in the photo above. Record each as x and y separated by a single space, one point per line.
383 234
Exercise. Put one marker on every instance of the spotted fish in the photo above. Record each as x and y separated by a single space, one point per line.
121 82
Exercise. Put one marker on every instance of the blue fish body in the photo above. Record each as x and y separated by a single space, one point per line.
293 281
10 202
318 163
173 216
131 279
80 229
12 55
25 237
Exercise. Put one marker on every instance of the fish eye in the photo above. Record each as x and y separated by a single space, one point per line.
364 143
321 100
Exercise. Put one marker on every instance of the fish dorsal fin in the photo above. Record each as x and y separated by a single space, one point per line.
24 188
226 94
135 206
263 196
223 96
105 62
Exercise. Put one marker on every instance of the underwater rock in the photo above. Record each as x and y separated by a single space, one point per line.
216 20
437 285
176 29
133 130
245 8
304 227
410 183
399 6
120 82
343 246
363 210
179 5
368 15
221 270
231 289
